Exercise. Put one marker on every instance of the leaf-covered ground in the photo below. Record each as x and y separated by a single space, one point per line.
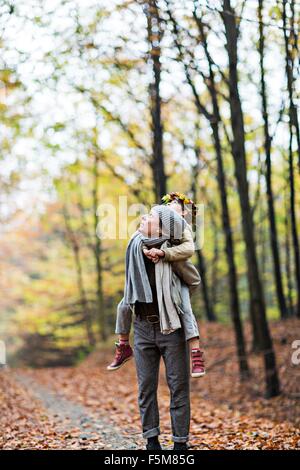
89 407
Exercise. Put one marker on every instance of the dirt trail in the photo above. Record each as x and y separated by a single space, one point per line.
88 407
67 416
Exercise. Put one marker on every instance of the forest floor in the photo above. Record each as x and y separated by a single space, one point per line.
88 407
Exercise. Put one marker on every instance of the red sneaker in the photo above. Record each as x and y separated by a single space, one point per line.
198 367
122 354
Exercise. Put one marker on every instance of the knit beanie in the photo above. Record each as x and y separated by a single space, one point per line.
172 223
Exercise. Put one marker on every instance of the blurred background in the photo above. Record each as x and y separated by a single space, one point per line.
139 98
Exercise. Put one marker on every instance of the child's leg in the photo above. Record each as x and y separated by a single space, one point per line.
192 334
188 318
123 321
123 350
124 338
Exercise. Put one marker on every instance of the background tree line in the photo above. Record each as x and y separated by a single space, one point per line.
138 98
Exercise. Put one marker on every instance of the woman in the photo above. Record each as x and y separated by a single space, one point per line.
152 289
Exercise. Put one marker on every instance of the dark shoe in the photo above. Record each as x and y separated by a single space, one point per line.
153 444
122 354
180 446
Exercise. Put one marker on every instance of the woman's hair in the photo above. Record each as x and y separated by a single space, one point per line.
160 226
180 201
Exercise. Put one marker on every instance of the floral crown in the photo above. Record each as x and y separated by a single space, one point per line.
175 196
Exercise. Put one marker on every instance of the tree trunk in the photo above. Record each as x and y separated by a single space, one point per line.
209 307
294 224
209 311
293 124
268 174
97 249
291 51
214 264
76 252
214 120
229 245
288 268
154 35
239 156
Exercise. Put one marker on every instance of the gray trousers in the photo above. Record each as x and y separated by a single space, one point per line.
189 323
149 345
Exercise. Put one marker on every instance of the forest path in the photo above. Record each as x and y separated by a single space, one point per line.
70 415
88 407
68 421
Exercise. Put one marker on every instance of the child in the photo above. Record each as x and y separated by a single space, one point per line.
178 256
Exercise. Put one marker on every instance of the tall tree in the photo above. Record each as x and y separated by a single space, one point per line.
294 129
214 120
288 267
221 178
154 37
201 262
96 153
86 311
239 157
268 171
292 60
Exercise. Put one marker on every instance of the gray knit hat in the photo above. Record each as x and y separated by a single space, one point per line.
172 223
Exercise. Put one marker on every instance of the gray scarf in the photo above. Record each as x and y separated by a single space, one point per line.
137 286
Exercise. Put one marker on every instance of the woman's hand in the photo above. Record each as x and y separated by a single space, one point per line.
155 254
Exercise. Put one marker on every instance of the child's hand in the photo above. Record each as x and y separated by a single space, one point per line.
154 254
